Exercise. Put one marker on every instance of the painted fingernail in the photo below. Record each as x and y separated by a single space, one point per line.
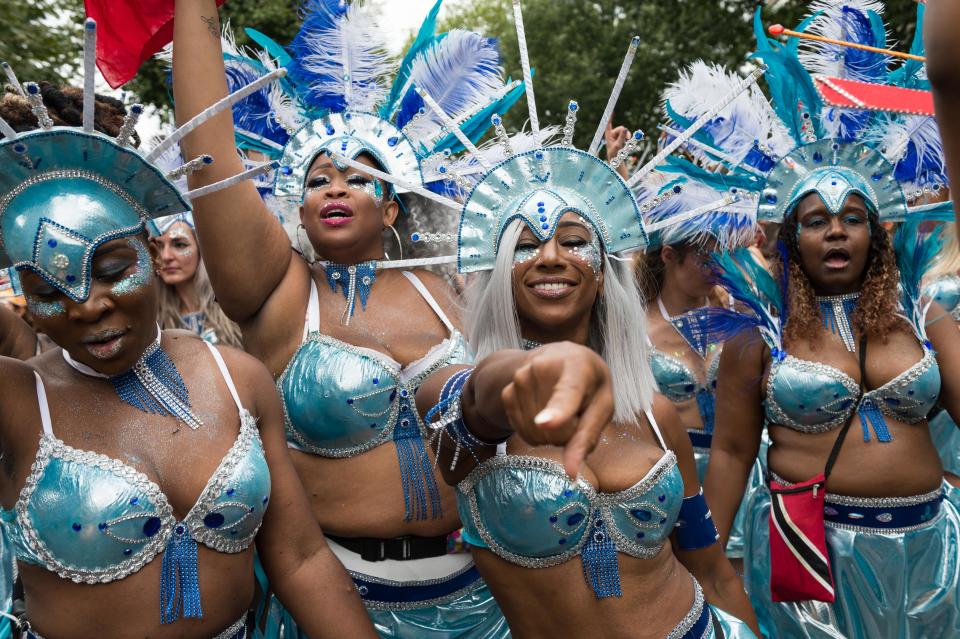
543 417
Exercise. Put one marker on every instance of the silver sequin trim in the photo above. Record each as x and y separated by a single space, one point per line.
777 416
52 447
692 616
456 341
604 502
897 387
372 604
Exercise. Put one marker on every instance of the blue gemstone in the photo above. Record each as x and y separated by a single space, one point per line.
392 141
662 498
575 519
689 388
77 526
331 130
266 499
801 406
909 392
252 509
642 514
349 401
376 380
818 157
641 535
771 199
71 278
286 170
543 218
541 209
133 502
540 204
51 243
567 493
876 177
230 492
151 527
102 525
562 542
545 226
233 532
663 521
415 237
179 529
677 189
213 520
403 393
127 552
553 519
374 425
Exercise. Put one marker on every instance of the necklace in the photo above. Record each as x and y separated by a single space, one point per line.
691 325
529 344
355 280
836 311
153 384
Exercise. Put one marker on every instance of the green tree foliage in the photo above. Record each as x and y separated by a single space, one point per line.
577 47
41 39
276 18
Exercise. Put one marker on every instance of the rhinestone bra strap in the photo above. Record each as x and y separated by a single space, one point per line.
313 311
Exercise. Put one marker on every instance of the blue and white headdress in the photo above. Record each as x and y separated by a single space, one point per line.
345 96
780 150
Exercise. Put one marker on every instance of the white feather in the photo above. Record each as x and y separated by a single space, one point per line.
827 59
746 120
893 137
694 195
353 53
285 107
461 73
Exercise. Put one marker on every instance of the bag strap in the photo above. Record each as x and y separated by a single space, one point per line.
835 452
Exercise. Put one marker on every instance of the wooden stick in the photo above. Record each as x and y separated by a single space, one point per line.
778 30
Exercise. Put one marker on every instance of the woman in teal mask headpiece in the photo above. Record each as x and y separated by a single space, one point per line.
833 354
348 335
139 466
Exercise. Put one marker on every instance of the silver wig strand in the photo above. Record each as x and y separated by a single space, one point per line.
618 328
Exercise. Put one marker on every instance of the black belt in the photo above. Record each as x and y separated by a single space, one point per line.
399 548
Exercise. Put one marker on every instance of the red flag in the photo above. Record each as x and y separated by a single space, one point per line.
128 33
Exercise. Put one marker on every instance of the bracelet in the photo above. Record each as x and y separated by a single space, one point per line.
450 411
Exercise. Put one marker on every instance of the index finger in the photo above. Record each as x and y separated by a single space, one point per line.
568 396
594 419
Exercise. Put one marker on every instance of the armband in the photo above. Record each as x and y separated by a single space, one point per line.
695 527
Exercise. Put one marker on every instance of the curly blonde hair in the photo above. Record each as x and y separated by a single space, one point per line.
876 311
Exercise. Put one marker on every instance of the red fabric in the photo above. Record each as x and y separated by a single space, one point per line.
128 33
799 561
876 97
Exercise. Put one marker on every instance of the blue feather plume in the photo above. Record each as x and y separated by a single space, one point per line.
425 38
916 253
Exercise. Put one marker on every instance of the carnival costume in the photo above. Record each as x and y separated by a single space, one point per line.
944 431
341 400
523 508
894 560
82 515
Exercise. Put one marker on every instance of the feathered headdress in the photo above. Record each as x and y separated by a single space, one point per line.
345 95
779 150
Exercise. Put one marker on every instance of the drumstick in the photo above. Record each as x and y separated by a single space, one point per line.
778 30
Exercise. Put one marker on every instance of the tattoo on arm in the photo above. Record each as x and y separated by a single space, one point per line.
212 26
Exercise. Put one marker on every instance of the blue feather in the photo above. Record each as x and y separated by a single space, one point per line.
790 84
719 181
424 39
908 74
753 287
252 116
320 17
269 45
916 253
477 125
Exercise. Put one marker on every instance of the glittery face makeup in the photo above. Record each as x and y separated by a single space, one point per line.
355 181
590 254
181 243
44 310
524 254
140 276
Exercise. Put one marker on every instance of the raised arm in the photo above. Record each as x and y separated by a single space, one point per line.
559 394
245 249
737 429
940 22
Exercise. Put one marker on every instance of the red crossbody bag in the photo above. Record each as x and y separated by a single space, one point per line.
799 560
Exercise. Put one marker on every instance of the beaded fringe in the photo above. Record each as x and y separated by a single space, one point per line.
599 561
179 578
421 495
154 385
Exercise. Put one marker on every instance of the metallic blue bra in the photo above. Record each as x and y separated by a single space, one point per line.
527 511
946 292
94 519
678 383
812 397
341 400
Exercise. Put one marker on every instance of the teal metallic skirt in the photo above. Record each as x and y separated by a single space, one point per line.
891 583
946 437
457 605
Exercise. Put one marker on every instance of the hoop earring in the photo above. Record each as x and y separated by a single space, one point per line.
300 246
397 235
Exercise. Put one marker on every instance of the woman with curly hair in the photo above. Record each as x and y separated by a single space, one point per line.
854 534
